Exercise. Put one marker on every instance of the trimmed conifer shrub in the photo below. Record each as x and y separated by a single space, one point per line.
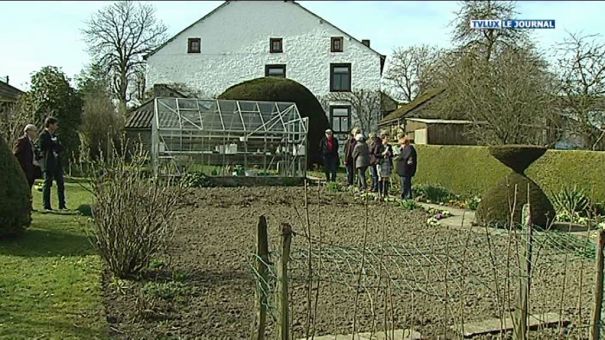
511 194
506 199
15 196
517 157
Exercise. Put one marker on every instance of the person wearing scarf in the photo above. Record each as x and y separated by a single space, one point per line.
329 154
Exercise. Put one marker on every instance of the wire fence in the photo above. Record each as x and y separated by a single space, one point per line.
440 286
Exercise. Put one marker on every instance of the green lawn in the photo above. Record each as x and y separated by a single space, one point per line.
50 281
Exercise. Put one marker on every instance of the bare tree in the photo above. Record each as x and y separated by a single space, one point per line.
509 99
101 125
118 36
411 71
14 117
581 61
365 105
489 41
140 85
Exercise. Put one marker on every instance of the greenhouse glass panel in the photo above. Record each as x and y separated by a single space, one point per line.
228 138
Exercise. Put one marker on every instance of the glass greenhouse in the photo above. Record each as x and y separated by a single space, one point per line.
228 138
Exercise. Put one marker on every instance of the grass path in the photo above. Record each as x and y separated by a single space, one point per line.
50 279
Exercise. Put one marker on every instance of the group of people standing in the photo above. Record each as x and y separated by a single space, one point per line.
41 157
375 153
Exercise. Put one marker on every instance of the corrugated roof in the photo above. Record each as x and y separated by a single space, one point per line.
387 103
9 92
408 108
439 121
141 116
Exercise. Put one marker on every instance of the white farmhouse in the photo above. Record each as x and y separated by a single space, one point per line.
243 40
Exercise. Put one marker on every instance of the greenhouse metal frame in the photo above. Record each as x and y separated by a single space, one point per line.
228 138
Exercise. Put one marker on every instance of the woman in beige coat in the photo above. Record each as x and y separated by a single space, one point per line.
361 158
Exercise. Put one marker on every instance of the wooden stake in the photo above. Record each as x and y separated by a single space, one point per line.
525 277
595 325
262 260
283 320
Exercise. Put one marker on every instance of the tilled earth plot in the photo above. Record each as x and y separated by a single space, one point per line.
408 275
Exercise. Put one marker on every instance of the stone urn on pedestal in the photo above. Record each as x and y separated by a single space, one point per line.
511 192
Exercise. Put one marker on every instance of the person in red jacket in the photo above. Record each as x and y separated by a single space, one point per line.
329 154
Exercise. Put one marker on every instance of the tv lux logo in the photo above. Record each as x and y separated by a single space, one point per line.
496 24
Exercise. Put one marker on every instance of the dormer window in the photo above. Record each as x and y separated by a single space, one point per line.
276 45
194 45
336 44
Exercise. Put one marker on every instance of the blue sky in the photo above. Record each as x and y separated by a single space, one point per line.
36 34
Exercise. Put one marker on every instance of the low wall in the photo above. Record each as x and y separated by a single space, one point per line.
471 170
248 181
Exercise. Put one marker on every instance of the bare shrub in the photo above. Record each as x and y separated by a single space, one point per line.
133 214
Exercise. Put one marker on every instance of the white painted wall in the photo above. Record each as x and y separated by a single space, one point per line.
235 48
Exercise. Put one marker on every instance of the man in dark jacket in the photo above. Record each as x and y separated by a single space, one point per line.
52 168
329 154
25 152
349 162
406 166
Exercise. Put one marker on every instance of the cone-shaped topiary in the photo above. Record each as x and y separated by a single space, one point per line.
286 90
15 196
517 157
512 191
497 204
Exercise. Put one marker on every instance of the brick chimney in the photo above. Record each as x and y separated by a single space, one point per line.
366 42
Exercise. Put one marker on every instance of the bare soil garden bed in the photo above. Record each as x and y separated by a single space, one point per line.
415 276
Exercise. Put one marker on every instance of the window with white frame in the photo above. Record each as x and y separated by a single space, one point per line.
340 118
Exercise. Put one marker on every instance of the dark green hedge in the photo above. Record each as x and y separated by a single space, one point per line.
286 90
471 170
15 196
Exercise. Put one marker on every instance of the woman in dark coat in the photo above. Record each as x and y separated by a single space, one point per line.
375 150
25 152
407 161
348 156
